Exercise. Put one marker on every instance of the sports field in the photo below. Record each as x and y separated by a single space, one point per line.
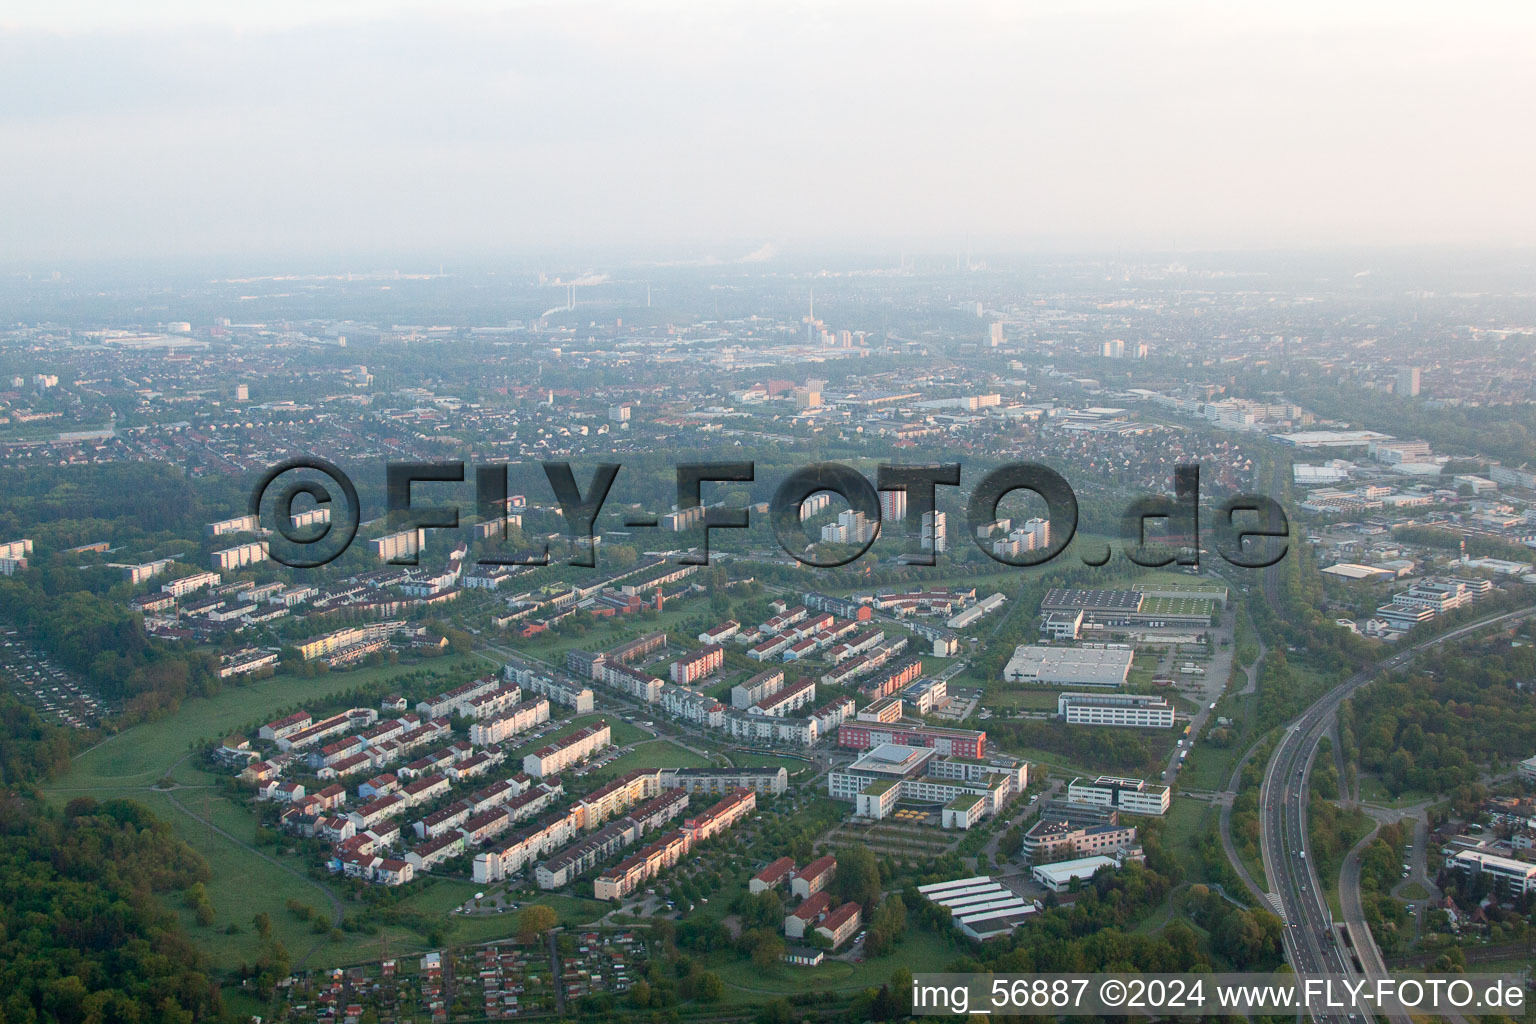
1203 606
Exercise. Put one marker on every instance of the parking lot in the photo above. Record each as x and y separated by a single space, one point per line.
56 693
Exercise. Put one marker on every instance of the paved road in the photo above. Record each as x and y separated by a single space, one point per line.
1227 844
1313 945
1351 903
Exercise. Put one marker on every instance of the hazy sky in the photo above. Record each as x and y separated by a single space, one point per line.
182 128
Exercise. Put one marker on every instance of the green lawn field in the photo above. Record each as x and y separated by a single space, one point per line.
140 756
654 754
248 878
747 983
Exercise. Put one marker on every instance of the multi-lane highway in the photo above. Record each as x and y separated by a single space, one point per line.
1312 944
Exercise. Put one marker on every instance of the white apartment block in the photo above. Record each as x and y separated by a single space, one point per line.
518 719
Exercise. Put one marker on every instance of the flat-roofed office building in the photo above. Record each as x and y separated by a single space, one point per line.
1130 710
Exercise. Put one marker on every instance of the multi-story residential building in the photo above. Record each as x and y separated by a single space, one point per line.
884 711
433 852
832 714
650 643
380 870
721 633
239 524
240 555
935 537
764 684
632 682
791 698
498 793
286 726
630 874
587 853
570 750
583 664
488 705
506 857
333 726
188 584
721 781
692 706
887 681
721 816
379 810
457 699
517 719
439 822
772 876
771 648
1034 535
136 574
814 877
563 867
404 545
617 796
330 643
379 785
806 915
425 790
843 608
696 665
245 661
840 925
759 729
577 698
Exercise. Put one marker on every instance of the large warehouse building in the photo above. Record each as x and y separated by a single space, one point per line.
1105 665
1138 608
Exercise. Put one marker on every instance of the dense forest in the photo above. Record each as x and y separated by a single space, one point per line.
1125 751
1457 714
30 748
1095 932
83 936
